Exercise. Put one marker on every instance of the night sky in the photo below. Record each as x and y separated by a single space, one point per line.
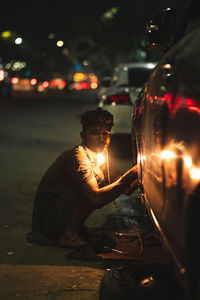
68 19
106 43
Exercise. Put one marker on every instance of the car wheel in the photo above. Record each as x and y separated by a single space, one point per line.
139 282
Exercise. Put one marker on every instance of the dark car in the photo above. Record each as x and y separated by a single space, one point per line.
166 127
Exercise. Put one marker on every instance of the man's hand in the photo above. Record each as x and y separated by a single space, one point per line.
130 176
130 180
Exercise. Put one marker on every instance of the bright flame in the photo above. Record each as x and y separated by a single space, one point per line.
187 161
100 159
195 173
167 154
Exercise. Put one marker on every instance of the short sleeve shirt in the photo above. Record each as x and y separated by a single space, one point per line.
71 169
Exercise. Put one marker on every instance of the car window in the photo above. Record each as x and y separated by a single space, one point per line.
138 76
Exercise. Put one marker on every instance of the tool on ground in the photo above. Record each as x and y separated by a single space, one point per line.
114 250
125 234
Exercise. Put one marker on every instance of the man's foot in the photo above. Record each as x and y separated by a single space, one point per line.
71 240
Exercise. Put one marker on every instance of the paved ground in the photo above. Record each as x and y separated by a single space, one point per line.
32 134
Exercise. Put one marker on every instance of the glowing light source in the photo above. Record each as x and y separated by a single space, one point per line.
167 66
6 34
85 63
18 41
33 81
60 43
57 83
18 65
100 159
45 84
195 173
2 75
166 154
14 80
51 36
187 161
8 66
82 85
40 88
79 77
94 85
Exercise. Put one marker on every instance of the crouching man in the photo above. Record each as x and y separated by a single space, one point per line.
77 183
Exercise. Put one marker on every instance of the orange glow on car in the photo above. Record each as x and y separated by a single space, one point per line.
195 173
167 154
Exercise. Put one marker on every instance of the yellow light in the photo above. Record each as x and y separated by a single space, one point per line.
79 77
100 159
167 66
94 85
60 43
6 34
166 154
187 161
195 173
40 88
143 157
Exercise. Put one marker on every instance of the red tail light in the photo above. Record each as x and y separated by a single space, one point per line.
118 99
2 75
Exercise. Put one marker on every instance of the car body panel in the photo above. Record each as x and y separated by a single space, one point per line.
166 125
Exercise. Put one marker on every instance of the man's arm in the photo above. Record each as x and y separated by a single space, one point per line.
101 196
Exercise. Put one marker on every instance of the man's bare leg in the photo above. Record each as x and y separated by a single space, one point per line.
71 236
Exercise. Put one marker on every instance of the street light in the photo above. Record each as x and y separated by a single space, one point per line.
60 43
18 41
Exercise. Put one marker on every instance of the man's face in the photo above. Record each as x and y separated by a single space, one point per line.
96 138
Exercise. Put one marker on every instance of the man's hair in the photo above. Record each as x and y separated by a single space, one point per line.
98 116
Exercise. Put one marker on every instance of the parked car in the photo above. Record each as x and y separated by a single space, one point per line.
166 126
119 96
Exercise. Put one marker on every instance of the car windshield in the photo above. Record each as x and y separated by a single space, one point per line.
138 76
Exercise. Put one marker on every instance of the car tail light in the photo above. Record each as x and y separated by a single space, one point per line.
118 99
2 75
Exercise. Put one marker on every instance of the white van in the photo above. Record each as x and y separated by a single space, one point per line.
119 98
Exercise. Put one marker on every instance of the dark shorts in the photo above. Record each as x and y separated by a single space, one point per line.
52 217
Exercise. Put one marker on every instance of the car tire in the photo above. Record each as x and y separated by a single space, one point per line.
139 282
